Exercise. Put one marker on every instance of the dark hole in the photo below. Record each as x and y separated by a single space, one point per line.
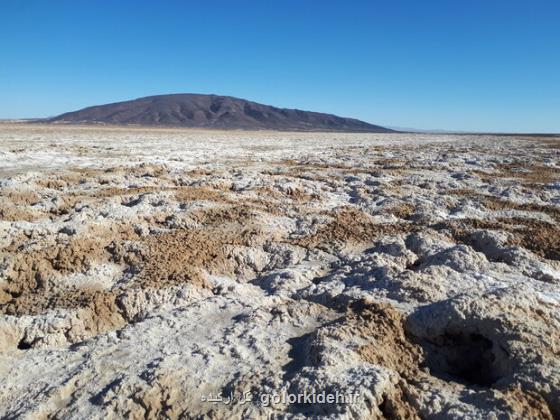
22 345
460 357
385 409
414 265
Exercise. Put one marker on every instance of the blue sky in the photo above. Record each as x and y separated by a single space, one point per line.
463 65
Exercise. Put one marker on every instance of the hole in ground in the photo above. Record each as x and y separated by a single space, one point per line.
23 345
462 357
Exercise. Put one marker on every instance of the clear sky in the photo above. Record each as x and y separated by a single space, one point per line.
487 65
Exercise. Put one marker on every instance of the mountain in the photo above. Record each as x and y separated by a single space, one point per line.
213 111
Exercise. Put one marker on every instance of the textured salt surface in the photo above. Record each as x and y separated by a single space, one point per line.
143 271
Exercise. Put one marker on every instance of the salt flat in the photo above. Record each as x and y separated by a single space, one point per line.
146 271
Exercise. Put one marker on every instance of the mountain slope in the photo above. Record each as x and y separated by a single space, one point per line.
213 111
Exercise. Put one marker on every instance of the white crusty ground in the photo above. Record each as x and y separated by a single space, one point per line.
279 320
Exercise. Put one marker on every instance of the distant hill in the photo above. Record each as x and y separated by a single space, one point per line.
213 111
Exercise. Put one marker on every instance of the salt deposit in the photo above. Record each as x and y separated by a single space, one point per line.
162 273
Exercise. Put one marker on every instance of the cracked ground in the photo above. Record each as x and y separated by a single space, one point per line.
143 270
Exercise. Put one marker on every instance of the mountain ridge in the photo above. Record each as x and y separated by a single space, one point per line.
212 111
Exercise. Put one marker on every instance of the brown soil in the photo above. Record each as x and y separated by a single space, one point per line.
29 280
296 195
186 194
539 237
493 203
183 256
118 192
31 271
531 175
174 257
19 198
163 260
12 213
98 309
402 211
382 327
527 405
14 205
496 204
389 166
160 399
74 177
349 226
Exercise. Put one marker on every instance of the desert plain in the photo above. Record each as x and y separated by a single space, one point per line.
174 273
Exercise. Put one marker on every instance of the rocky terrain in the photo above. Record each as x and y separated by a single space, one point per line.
161 273
212 111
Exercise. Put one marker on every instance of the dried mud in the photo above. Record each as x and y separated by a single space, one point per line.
143 271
